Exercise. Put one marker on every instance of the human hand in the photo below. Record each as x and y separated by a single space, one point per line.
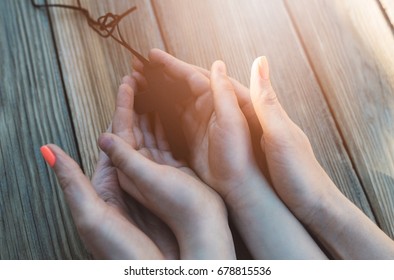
156 175
114 226
305 187
221 153
198 80
103 226
124 215
291 161
212 153
105 182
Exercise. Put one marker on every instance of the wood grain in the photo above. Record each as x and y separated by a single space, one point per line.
388 6
93 66
351 47
34 220
200 32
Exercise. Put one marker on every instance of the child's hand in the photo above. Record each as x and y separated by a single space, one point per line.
164 185
218 134
221 154
215 128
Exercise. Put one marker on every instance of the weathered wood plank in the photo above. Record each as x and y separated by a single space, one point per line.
351 47
93 66
237 32
34 220
388 6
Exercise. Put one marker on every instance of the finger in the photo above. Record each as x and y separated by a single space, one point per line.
78 191
102 163
147 132
270 113
240 90
224 99
177 69
122 122
137 65
131 82
160 135
140 79
135 119
130 162
105 175
182 70
190 124
244 101
197 81
86 209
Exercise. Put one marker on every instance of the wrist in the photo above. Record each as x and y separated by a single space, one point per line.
324 206
247 191
266 224
346 232
207 236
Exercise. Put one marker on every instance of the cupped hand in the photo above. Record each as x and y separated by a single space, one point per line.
297 176
104 229
305 187
221 148
149 173
217 132
222 155
120 228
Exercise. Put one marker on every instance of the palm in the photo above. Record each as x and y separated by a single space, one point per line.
220 149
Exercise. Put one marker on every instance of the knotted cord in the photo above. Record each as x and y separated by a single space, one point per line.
105 25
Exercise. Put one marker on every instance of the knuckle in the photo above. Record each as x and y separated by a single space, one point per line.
197 83
268 96
69 175
65 182
118 159
223 83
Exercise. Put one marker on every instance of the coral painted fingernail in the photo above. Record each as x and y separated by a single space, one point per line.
263 68
48 155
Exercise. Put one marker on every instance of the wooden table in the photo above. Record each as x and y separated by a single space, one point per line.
332 66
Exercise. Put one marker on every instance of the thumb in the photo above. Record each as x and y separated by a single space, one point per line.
270 113
78 191
131 163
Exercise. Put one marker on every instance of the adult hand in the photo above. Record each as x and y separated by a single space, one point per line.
105 230
305 187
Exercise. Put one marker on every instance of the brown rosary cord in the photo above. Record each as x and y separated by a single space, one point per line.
105 25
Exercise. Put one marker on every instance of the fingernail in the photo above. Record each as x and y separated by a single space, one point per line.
105 142
48 155
124 80
221 67
125 88
263 68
